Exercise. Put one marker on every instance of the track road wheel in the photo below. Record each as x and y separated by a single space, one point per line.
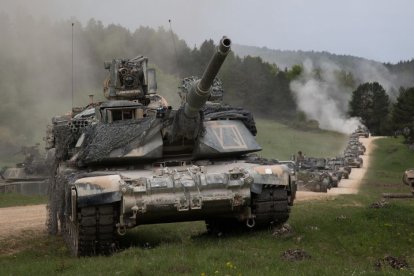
93 232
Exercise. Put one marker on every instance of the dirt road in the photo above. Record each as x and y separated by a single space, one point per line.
14 220
17 219
346 186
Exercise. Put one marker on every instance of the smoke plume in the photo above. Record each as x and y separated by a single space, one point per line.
322 98
35 77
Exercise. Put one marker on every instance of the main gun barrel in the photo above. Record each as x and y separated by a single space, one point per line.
200 92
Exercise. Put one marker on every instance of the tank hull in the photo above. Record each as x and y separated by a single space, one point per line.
25 187
16 180
247 194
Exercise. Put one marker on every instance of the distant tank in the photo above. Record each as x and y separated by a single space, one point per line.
313 181
357 149
353 160
133 160
339 165
29 177
361 131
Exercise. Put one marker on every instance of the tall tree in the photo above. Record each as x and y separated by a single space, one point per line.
371 103
403 113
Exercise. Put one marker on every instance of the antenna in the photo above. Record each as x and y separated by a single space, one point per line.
72 63
173 39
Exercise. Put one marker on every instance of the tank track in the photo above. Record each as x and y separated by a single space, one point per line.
94 233
270 208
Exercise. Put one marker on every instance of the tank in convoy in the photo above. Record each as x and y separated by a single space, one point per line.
134 160
28 177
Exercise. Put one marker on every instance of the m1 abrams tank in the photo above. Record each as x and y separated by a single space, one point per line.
357 143
339 165
313 181
362 131
353 160
321 165
29 177
134 160
357 149
309 178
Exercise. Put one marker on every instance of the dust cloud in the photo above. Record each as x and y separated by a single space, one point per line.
321 97
35 77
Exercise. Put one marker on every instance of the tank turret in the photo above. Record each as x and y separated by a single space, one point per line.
28 177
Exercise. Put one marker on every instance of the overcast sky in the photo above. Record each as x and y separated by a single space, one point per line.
381 30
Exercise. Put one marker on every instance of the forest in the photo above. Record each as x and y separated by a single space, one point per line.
36 76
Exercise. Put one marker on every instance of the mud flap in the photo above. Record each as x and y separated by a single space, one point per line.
98 190
256 188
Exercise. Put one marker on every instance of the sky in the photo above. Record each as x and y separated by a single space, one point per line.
380 30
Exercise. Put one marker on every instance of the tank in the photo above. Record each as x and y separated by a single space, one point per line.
311 176
361 131
339 165
321 165
29 177
359 150
353 160
134 160
313 181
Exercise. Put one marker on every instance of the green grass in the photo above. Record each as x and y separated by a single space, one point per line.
392 158
14 199
342 235
280 141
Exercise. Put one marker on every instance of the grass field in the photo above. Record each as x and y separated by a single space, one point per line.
342 236
13 199
280 141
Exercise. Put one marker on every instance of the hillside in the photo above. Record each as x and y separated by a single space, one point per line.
288 58
389 75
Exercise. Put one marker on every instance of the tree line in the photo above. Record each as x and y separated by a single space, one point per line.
35 84
371 103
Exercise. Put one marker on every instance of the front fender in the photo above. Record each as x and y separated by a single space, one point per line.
277 175
98 190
